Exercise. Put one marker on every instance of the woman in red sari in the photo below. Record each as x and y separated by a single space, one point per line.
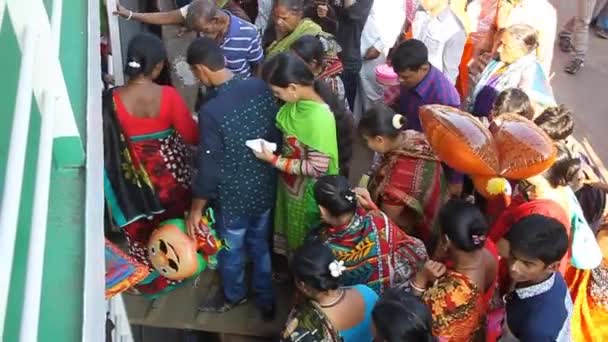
147 164
459 291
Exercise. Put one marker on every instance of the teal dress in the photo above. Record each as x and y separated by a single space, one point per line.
362 332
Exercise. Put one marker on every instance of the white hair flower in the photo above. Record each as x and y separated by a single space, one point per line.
134 64
397 121
336 268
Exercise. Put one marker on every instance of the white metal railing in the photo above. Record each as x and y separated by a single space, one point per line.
115 307
53 99
30 22
35 257
94 304
13 181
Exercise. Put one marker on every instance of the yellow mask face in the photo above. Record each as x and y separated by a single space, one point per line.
172 253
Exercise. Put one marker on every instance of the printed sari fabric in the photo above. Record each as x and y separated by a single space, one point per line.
168 160
127 186
308 323
333 66
525 73
306 27
122 271
164 159
308 128
296 211
412 177
457 307
589 291
375 251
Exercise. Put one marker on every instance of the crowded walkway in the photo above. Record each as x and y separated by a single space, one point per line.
442 197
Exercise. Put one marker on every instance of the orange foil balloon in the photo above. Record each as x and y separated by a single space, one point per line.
525 150
460 140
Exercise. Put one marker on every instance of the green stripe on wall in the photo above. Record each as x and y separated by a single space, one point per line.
67 152
9 69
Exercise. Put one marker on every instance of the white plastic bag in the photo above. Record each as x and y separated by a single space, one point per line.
586 252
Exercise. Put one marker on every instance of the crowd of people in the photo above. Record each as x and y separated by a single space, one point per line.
414 253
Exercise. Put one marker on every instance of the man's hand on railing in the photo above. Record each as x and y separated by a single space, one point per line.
122 11
173 17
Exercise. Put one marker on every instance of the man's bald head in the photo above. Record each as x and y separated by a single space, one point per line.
201 11
205 17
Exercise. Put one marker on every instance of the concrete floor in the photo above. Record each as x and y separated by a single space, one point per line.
584 93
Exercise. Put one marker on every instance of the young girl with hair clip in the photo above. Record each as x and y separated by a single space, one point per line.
409 184
351 225
459 291
330 312
317 141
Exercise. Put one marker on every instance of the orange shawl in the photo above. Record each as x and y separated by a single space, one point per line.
589 291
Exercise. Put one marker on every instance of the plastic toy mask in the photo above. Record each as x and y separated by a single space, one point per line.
173 253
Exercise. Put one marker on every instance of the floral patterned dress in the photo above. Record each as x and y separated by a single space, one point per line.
157 146
411 176
375 251
457 307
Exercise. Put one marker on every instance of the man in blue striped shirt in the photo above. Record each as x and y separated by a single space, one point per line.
239 39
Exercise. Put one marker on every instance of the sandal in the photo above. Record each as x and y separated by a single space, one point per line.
601 32
575 66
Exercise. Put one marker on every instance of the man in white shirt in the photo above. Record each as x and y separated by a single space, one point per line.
438 27
381 30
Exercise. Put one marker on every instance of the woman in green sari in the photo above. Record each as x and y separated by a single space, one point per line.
317 139
288 25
